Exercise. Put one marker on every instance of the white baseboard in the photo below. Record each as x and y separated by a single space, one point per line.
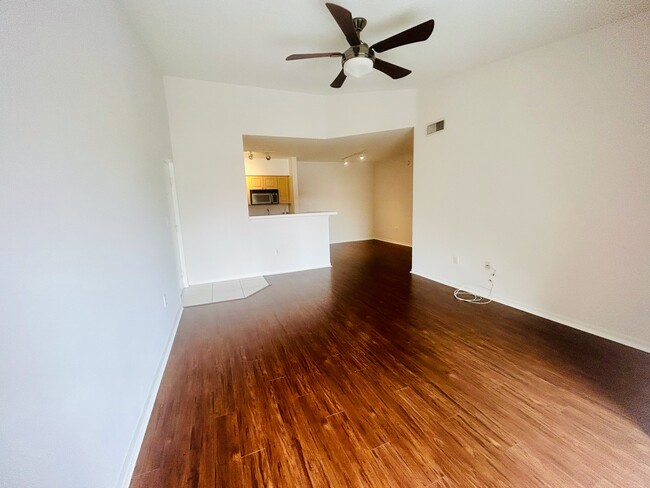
560 319
353 240
262 273
136 442
399 243
295 270
393 242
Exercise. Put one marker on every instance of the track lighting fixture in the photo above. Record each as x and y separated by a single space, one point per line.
250 155
268 157
361 155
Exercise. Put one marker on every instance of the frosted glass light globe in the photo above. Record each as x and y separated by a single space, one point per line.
357 67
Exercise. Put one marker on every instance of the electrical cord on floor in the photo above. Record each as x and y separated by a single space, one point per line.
469 297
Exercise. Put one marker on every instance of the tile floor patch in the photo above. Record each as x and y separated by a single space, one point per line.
253 285
197 295
226 290
223 291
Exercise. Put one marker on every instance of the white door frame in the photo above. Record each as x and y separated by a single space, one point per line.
175 219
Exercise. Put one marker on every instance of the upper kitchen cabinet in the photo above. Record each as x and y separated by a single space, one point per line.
280 183
270 182
255 182
267 182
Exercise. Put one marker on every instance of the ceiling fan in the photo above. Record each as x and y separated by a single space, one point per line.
359 59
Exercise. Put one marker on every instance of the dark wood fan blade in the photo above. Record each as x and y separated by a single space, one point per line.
391 70
343 18
313 55
418 33
338 81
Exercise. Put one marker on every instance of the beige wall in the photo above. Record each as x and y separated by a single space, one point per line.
373 200
347 190
393 200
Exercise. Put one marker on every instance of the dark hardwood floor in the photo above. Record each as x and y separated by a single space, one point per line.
364 375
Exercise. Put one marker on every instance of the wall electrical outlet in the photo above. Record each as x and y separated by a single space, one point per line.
456 260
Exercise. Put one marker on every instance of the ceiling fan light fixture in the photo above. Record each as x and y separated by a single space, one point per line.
358 67
359 59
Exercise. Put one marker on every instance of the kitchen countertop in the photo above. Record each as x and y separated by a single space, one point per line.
292 215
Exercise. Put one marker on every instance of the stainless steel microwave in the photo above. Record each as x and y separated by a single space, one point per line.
265 197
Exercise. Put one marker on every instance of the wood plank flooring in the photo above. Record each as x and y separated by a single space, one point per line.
363 375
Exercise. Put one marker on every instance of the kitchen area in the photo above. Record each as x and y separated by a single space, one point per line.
268 195
363 181
272 187
270 184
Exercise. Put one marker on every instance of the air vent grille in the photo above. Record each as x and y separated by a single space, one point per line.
435 127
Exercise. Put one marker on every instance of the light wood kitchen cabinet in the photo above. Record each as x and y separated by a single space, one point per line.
284 189
265 182
255 182
248 189
270 182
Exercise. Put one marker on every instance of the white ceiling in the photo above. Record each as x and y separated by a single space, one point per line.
245 42
376 146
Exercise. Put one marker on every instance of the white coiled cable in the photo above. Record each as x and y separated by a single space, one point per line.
469 297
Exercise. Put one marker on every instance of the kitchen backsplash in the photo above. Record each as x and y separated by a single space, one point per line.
255 210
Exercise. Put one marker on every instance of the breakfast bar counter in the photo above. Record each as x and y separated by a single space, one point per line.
292 215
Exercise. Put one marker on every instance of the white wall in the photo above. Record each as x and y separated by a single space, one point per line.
363 113
308 237
85 254
543 169
393 200
260 166
207 122
347 190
